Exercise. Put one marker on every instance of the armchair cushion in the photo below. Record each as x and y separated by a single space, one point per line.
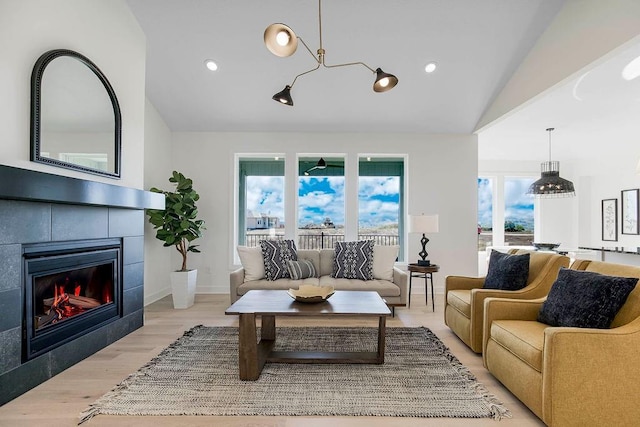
460 300
525 339
507 272
585 299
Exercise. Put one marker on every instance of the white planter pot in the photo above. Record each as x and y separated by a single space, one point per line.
183 288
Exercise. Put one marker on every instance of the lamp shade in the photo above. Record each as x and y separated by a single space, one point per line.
551 184
384 81
284 96
423 223
280 40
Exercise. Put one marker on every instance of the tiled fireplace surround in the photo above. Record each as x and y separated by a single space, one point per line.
38 207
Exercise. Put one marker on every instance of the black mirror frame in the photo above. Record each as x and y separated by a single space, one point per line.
36 86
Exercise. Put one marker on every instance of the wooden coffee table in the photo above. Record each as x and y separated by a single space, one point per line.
271 303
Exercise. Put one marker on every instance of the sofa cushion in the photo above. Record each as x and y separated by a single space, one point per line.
585 299
354 260
280 284
252 262
384 258
302 269
523 338
275 254
507 272
383 287
460 299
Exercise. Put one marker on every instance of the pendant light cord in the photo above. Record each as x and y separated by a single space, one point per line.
550 130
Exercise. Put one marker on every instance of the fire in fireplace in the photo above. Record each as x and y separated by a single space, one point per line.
61 296
71 288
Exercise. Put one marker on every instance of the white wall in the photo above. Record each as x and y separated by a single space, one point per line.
157 170
442 173
103 30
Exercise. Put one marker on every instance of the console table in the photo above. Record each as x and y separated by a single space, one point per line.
425 271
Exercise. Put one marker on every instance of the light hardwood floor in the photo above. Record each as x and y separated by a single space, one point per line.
59 401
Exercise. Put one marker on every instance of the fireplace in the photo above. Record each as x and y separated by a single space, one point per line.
71 288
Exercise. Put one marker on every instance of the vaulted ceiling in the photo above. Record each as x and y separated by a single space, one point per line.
477 46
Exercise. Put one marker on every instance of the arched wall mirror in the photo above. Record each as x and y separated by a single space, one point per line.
75 115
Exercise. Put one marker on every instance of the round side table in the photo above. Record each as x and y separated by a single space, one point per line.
425 271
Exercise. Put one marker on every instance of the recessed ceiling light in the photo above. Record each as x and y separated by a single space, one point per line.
632 69
430 67
211 64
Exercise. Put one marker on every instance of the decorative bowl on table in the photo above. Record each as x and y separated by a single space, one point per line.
546 246
311 293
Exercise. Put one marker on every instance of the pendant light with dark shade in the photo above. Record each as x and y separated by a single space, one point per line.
550 183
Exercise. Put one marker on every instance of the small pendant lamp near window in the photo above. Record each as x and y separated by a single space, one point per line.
550 183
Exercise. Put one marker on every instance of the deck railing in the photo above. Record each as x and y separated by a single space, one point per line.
323 240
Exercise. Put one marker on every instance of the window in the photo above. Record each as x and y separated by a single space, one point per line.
366 203
518 212
261 200
321 212
380 201
485 213
505 211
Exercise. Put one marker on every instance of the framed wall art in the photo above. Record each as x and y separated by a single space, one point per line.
610 220
629 217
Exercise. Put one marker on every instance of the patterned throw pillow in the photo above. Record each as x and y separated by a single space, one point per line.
507 272
276 253
585 299
354 260
302 269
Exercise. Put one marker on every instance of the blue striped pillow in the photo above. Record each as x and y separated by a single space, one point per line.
301 269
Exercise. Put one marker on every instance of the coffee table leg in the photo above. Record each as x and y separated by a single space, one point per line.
248 357
382 330
268 331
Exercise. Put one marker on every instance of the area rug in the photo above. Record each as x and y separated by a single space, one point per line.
198 375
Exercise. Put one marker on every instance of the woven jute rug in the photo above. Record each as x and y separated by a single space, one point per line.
198 375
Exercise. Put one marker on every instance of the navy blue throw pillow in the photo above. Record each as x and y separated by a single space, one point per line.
507 272
275 254
585 299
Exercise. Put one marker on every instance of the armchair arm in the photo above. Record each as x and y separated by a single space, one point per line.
590 376
400 278
507 309
236 278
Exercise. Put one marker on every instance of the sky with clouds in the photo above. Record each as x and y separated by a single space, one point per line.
518 204
323 197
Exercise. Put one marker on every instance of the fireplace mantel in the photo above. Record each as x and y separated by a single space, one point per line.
34 186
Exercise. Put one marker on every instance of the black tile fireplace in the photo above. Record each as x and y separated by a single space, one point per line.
71 272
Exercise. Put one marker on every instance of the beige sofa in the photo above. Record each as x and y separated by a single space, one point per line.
464 296
393 292
568 376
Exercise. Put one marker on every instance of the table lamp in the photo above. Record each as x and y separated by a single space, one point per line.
423 224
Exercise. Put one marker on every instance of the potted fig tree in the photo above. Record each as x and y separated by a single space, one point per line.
178 225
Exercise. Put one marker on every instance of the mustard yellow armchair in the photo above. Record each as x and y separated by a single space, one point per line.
568 376
464 296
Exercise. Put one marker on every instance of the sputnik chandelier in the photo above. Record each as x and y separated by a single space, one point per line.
282 41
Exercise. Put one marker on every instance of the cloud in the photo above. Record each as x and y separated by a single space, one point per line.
265 194
378 186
